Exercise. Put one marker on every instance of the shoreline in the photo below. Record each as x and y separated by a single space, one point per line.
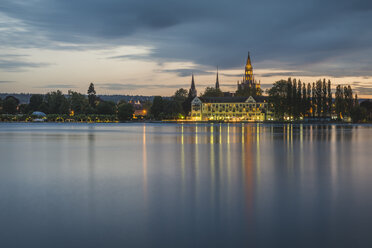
196 122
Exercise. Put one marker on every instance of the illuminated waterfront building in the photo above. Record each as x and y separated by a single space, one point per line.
252 108
230 107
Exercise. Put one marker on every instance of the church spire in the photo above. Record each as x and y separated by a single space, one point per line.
248 60
192 82
248 76
217 81
192 91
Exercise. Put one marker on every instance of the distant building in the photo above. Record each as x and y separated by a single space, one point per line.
248 81
230 109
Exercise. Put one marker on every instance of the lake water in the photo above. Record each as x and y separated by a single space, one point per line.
173 185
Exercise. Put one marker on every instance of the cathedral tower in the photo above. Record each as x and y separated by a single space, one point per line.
248 83
248 76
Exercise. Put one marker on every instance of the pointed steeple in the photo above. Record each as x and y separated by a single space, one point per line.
248 75
217 81
192 82
248 60
192 91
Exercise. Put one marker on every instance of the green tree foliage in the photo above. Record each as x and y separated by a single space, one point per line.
367 110
278 97
186 105
57 103
165 109
345 104
293 98
92 96
329 98
180 95
157 107
23 108
248 91
36 101
125 111
78 102
339 101
106 108
212 92
10 105
171 109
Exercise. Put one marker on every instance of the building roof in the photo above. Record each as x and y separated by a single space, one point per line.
231 99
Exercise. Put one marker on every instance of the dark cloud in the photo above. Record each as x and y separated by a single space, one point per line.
17 65
131 56
364 88
129 86
17 62
58 86
6 82
188 72
312 37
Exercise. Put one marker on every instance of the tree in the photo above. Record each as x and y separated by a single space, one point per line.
57 103
339 101
329 97
10 105
171 109
186 105
180 95
309 108
358 113
157 107
304 104
106 108
248 91
212 92
278 97
78 102
367 106
318 98
348 97
92 95
324 99
125 111
35 102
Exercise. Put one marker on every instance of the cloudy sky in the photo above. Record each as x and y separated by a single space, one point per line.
151 47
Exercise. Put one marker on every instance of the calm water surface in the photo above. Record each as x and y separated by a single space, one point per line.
173 185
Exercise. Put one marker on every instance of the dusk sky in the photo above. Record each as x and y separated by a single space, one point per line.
152 47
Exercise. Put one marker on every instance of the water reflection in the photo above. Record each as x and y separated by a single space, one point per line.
206 185
144 162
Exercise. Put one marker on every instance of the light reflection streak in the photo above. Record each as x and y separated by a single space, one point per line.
212 163
182 156
220 154
334 160
144 162
196 162
301 147
248 174
228 155
258 155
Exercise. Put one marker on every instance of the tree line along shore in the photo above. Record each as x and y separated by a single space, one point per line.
289 100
